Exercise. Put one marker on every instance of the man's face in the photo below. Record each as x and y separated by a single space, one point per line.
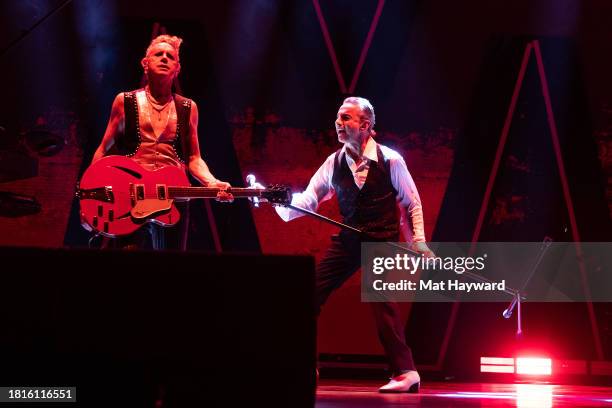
349 125
162 60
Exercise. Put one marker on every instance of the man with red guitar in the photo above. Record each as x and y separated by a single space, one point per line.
156 127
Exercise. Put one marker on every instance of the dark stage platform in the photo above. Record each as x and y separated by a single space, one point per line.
362 394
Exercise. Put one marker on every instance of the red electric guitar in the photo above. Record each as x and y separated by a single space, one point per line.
118 195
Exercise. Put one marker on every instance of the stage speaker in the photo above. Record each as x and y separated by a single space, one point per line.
134 328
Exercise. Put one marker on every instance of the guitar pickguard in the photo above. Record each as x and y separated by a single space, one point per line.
150 207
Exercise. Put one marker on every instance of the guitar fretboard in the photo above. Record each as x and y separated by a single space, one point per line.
206 192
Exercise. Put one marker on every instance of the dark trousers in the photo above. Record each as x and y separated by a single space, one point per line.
341 261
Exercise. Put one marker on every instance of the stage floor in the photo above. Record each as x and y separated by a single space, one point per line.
358 394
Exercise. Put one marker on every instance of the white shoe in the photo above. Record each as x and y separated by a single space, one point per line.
407 382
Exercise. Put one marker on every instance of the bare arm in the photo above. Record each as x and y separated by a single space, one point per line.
197 166
115 127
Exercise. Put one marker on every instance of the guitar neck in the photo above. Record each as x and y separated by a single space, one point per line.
206 192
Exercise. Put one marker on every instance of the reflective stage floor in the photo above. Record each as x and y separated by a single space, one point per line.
363 393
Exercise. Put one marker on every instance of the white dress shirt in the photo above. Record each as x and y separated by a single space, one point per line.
320 188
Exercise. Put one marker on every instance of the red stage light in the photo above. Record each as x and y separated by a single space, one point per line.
496 369
496 365
533 366
519 365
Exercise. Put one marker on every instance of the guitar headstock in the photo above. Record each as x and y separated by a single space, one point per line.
277 194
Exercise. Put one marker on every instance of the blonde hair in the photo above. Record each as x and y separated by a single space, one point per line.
174 41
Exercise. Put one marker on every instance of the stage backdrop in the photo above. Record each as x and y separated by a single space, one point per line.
269 76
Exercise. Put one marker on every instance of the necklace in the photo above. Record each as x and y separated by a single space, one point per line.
153 105
170 111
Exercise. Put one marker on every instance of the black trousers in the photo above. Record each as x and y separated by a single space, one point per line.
341 261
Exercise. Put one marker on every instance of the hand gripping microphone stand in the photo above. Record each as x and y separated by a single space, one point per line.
517 295
251 180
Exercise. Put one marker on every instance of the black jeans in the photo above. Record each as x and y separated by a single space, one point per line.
341 261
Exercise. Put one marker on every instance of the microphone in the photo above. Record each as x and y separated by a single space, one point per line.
251 180
508 312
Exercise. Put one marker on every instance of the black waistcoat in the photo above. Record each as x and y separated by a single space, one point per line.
373 209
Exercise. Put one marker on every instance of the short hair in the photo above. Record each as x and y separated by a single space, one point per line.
174 41
365 107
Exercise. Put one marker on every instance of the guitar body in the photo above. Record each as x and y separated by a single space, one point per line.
118 196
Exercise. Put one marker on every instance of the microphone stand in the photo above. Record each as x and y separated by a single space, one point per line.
517 295
512 292
345 226
516 302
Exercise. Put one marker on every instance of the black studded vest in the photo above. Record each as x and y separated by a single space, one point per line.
129 142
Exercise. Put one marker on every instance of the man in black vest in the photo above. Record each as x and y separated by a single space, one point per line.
370 182
156 127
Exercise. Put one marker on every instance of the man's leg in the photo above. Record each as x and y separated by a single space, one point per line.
338 264
138 240
391 334
392 337
175 237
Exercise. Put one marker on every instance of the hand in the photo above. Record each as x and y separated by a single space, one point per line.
422 248
224 196
223 185
257 185
429 254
